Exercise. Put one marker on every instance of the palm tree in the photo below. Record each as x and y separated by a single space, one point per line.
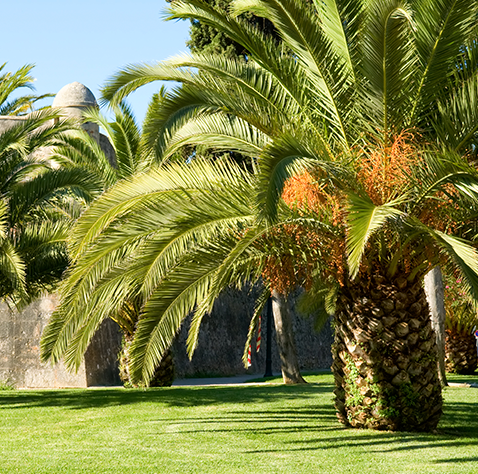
129 158
39 199
10 82
368 110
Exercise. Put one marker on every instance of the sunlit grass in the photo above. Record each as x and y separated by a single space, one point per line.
247 429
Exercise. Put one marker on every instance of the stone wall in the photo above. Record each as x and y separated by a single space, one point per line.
20 334
223 334
219 353
7 122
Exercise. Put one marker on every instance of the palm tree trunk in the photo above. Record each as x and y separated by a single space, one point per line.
461 356
163 374
385 356
285 340
436 302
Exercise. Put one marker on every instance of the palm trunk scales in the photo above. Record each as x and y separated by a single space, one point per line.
460 349
385 357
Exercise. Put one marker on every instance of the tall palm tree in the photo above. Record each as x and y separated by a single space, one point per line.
376 100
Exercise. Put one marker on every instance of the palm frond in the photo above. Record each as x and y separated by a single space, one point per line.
364 219
389 63
12 269
461 254
329 74
37 191
163 314
441 31
220 133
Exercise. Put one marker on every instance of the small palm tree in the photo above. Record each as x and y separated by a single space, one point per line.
128 159
39 200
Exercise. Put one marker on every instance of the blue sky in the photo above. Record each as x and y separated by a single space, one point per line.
88 41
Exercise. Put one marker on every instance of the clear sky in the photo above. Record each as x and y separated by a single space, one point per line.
88 41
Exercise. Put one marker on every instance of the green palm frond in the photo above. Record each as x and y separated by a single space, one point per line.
441 31
125 137
219 133
339 22
222 84
225 274
10 83
35 192
389 64
456 119
79 149
163 314
439 170
12 272
319 302
462 254
329 74
101 295
282 159
365 219
33 186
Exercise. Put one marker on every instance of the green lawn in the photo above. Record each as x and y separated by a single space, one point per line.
245 429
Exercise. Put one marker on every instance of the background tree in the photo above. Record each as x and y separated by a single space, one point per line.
461 322
433 282
207 39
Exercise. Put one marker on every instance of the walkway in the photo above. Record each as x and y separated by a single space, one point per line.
239 379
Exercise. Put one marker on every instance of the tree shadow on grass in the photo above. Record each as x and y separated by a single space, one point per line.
455 460
458 428
172 396
242 409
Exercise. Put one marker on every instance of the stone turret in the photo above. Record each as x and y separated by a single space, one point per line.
73 100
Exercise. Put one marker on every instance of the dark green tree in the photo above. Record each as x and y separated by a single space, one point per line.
207 39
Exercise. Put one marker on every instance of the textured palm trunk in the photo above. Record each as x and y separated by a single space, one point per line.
460 353
285 340
385 357
163 375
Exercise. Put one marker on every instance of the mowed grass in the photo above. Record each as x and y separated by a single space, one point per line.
239 429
